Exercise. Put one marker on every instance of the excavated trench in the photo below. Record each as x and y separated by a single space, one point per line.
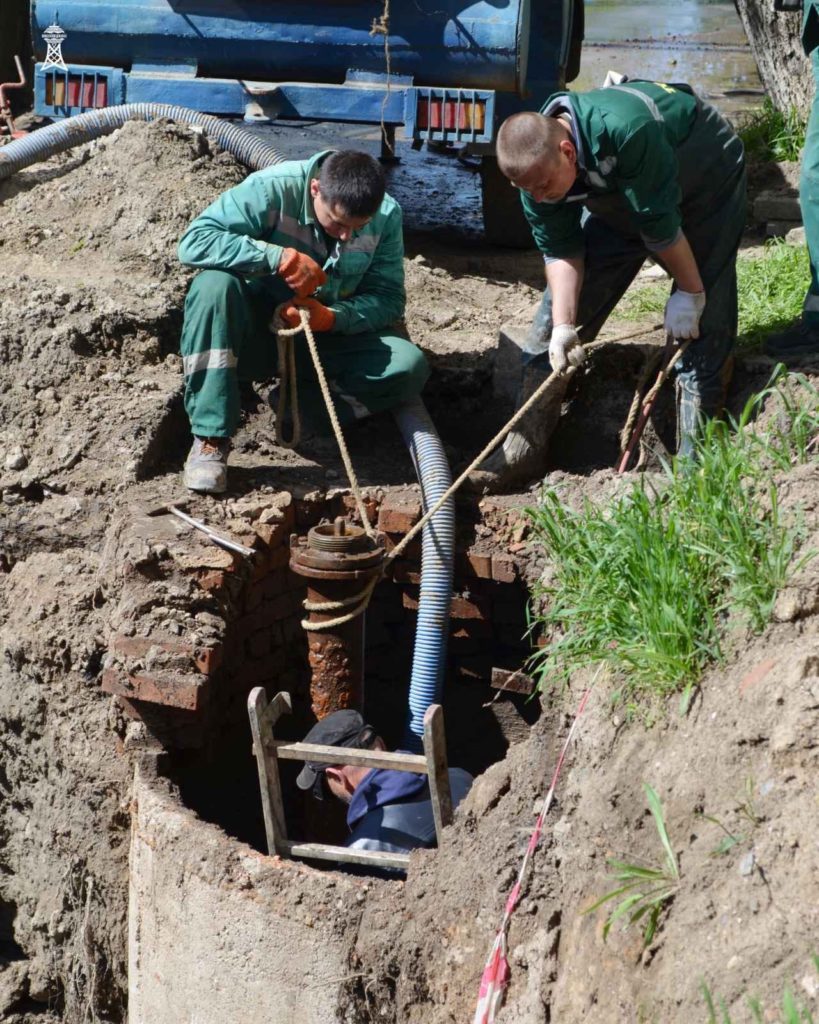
130 643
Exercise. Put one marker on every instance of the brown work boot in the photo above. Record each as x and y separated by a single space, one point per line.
523 455
206 465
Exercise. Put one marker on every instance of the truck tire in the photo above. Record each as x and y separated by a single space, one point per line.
504 222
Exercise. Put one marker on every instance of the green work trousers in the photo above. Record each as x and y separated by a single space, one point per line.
226 338
809 199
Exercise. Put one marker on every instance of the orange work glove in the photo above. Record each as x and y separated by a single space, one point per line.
321 318
301 273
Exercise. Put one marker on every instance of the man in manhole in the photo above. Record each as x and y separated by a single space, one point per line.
320 235
607 178
388 810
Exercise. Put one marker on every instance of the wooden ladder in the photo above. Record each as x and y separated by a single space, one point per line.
268 751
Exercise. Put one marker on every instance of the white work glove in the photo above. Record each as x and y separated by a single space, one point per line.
682 314
565 348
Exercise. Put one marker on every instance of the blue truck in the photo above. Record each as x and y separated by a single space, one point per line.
446 71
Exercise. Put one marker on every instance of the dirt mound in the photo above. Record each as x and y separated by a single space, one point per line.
737 780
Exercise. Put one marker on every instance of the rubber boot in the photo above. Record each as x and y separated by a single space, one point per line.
691 410
524 453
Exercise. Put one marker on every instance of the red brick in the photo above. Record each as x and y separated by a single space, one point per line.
409 601
170 689
514 682
350 508
469 608
279 558
309 511
274 534
208 659
474 629
504 569
474 564
139 646
212 581
399 513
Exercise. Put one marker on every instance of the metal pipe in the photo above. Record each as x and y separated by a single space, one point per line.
339 561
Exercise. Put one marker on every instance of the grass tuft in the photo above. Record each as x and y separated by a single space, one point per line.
771 134
771 289
646 891
649 584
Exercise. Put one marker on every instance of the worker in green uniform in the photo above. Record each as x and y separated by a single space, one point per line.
803 337
607 178
320 235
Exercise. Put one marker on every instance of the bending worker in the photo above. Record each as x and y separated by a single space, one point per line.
607 178
320 235
388 810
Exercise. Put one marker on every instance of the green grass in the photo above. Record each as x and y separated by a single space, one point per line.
770 134
791 1012
771 290
646 890
650 583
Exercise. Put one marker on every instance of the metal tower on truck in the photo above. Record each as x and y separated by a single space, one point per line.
445 70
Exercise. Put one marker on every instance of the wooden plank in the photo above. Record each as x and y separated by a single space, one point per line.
261 715
350 755
321 851
282 704
437 768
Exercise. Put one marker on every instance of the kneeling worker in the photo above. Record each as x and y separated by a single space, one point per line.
388 810
320 235
607 178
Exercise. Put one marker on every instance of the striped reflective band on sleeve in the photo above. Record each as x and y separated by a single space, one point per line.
212 359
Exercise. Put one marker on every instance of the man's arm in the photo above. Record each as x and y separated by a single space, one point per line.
380 298
678 259
227 235
565 279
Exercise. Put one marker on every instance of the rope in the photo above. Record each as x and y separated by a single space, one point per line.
361 600
640 408
288 368
290 333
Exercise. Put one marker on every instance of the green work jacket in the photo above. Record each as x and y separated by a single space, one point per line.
247 227
627 139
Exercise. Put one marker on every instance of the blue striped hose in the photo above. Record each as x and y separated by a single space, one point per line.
248 148
437 556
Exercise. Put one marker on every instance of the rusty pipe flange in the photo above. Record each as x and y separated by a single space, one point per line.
337 550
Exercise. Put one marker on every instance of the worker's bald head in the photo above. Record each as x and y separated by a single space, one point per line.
525 140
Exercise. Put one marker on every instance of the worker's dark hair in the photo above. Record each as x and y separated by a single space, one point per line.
352 182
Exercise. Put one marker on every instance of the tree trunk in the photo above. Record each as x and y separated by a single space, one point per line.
775 43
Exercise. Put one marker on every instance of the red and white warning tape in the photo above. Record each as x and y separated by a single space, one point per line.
496 972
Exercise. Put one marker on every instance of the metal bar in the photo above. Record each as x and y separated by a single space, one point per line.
322 851
216 537
262 717
437 769
350 755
